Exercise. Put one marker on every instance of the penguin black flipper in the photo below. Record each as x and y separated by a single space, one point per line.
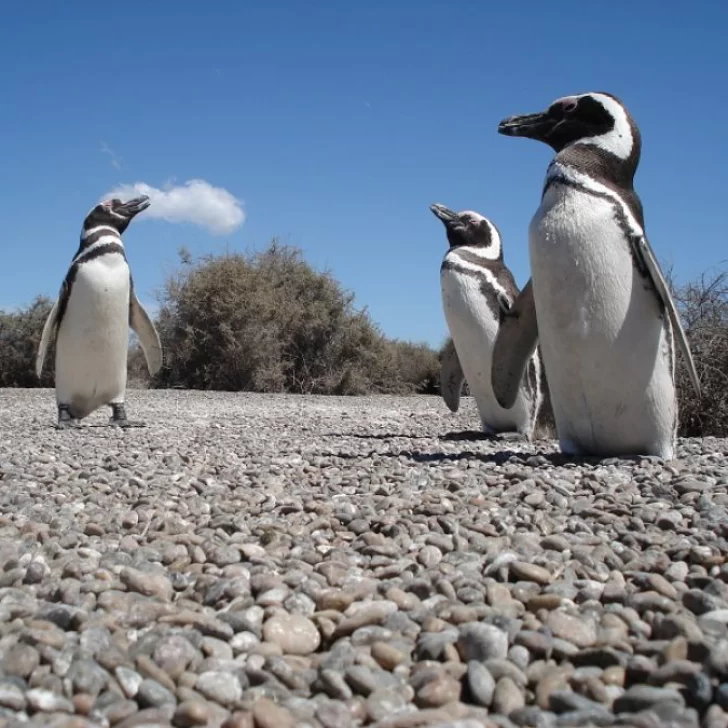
514 345
451 377
49 333
144 328
643 252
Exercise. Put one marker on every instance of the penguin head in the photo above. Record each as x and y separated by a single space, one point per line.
468 228
115 213
597 119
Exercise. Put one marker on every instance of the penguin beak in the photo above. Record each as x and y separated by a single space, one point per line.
444 213
534 126
134 207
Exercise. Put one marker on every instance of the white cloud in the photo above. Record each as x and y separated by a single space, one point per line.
114 158
196 202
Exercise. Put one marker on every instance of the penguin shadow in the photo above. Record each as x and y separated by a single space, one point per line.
380 436
475 435
461 436
95 426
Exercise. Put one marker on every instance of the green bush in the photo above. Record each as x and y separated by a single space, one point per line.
268 322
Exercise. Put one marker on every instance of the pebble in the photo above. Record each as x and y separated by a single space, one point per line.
190 713
481 683
293 633
478 641
269 715
507 697
221 687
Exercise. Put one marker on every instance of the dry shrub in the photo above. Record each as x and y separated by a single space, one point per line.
20 333
703 307
269 322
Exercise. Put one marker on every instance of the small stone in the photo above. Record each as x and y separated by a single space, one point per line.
130 680
614 676
554 543
386 655
573 629
507 697
373 613
721 695
661 585
642 697
224 555
332 714
361 679
530 572
293 633
481 683
21 660
480 642
698 691
191 713
11 696
554 680
150 585
153 695
336 599
544 601
334 684
239 719
429 556
82 703
46 701
88 677
440 691
118 711
221 687
537 643
147 718
269 715
384 703
173 654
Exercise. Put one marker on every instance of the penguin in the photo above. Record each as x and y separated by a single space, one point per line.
90 320
477 289
597 301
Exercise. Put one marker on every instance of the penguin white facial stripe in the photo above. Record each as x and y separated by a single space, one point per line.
618 141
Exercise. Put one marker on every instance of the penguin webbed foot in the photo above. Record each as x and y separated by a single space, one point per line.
65 420
119 419
68 425
513 437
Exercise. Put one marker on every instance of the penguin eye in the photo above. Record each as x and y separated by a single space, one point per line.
569 107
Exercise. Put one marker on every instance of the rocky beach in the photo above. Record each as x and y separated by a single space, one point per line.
270 561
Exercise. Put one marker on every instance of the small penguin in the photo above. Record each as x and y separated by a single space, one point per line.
597 302
477 289
90 320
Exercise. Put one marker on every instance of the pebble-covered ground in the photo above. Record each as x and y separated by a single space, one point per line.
256 561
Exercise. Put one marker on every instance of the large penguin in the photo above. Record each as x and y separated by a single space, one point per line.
90 320
598 303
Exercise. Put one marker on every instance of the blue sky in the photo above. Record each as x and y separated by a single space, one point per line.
336 124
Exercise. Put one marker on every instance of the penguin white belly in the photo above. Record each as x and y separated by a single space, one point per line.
607 349
473 328
92 342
